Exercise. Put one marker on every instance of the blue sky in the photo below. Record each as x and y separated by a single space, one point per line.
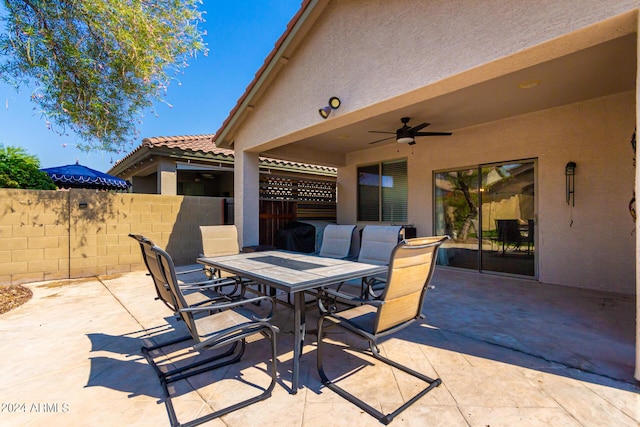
240 35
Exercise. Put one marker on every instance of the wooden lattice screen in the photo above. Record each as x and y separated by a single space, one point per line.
297 190
286 199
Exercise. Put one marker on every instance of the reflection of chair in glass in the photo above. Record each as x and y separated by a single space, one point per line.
509 234
410 270
530 235
227 328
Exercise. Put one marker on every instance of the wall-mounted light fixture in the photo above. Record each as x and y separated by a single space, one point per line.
334 103
570 172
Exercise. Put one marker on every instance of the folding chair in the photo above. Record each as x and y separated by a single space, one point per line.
227 325
411 267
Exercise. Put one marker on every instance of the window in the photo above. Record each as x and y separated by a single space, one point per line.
382 191
489 211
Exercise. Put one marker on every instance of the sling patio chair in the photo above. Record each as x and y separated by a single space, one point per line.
336 241
376 245
221 240
410 270
195 292
225 326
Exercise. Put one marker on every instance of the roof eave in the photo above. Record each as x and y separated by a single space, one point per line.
279 56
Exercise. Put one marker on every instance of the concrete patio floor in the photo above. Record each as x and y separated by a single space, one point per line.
509 352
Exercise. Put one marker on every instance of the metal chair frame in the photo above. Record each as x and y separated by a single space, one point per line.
233 338
381 323
163 293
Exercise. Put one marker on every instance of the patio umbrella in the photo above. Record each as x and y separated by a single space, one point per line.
79 176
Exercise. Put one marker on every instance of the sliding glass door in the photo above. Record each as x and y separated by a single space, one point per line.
489 211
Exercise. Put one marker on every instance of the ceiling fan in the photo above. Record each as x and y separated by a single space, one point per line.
406 134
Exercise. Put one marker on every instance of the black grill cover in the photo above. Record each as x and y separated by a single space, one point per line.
296 236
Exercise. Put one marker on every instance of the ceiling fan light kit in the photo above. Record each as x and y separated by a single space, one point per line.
407 134
405 140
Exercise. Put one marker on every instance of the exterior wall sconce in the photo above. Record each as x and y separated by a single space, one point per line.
334 103
570 172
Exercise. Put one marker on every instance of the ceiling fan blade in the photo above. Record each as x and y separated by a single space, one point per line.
432 133
381 131
383 139
419 127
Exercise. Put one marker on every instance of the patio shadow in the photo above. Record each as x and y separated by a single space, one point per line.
578 333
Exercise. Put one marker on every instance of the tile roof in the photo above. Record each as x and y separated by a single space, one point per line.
194 143
204 144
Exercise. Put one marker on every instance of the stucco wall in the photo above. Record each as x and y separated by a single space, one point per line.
145 184
597 251
351 51
356 48
46 235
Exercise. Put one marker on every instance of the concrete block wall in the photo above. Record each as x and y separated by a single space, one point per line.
49 235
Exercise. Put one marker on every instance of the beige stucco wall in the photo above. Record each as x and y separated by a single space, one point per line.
597 251
46 235
145 184
355 50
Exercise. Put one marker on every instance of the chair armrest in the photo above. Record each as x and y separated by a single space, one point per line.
327 298
233 304
207 284
235 333
342 297
189 271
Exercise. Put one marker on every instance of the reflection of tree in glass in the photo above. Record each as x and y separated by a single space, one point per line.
462 202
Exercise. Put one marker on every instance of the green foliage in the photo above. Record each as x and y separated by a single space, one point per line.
21 170
464 203
96 65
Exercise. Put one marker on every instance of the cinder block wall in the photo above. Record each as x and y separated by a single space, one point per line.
48 235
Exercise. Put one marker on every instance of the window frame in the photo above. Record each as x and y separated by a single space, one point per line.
364 213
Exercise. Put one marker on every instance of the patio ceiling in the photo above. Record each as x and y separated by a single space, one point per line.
601 70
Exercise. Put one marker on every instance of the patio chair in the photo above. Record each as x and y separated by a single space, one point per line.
227 327
410 270
376 245
219 240
336 241
193 291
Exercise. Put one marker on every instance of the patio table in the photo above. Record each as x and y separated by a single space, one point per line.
293 273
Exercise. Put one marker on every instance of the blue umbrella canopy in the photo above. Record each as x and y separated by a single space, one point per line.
78 176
